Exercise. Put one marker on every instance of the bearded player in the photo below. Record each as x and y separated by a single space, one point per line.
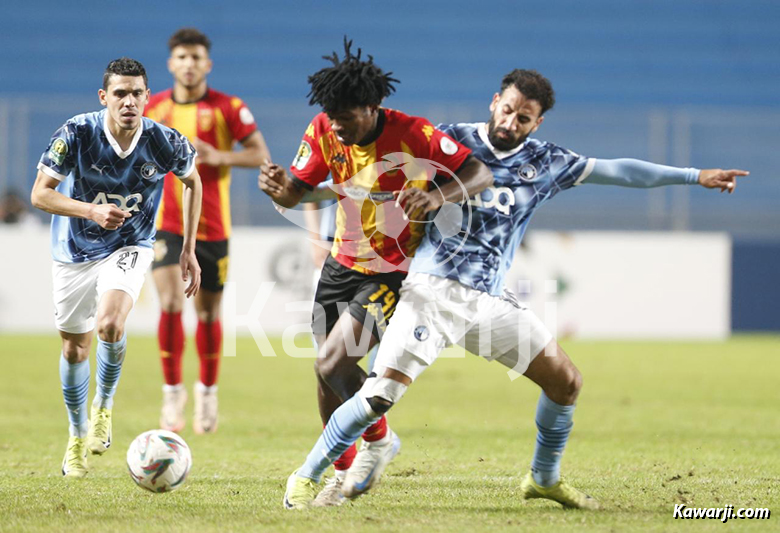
455 293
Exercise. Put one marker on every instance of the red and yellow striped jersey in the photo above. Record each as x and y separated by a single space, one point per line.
365 239
220 120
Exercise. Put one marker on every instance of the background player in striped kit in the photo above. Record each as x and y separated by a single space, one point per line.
213 121
101 178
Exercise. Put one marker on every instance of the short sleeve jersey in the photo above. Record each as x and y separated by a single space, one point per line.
92 167
494 221
220 120
365 178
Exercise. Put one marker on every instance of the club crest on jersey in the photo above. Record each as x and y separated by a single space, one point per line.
421 333
303 155
527 172
205 119
58 151
148 170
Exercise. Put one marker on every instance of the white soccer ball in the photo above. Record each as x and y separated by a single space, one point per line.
159 460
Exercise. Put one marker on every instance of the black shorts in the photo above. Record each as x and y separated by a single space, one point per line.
212 257
339 287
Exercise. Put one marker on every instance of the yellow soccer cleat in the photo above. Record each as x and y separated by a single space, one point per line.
74 464
300 492
99 436
561 492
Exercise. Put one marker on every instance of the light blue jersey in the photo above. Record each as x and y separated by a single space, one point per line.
524 179
92 168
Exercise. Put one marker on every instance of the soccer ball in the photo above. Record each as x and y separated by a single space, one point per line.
159 460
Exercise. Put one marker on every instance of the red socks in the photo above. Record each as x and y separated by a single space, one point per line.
345 461
377 431
208 338
170 337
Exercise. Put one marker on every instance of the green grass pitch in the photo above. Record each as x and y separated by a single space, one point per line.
657 424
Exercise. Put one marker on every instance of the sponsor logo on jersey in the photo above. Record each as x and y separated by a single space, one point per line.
527 172
58 151
148 170
501 199
360 194
128 203
303 156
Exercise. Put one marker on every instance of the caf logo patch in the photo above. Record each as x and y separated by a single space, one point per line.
58 151
527 172
421 333
303 155
148 170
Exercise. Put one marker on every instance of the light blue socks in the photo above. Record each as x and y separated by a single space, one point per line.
554 423
345 426
75 387
110 357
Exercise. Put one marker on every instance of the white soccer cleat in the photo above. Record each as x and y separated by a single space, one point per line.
205 417
369 464
330 495
172 413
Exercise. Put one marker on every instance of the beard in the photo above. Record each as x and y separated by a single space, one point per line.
503 144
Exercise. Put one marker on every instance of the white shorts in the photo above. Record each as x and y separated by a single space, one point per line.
434 313
79 286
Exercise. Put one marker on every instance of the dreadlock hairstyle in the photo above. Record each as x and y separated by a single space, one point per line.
350 82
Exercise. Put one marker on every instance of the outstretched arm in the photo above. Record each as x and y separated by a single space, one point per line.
641 174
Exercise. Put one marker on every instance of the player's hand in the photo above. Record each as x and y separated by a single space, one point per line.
190 269
417 202
272 178
207 154
108 216
725 180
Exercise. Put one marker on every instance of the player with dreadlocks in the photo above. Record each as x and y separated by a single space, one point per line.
359 143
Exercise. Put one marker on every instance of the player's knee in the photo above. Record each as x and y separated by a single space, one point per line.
74 352
328 367
382 393
170 303
207 316
379 405
571 385
110 329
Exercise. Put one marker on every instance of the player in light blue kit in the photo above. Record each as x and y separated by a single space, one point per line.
455 291
101 177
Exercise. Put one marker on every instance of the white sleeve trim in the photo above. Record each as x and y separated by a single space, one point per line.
187 173
585 173
51 173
